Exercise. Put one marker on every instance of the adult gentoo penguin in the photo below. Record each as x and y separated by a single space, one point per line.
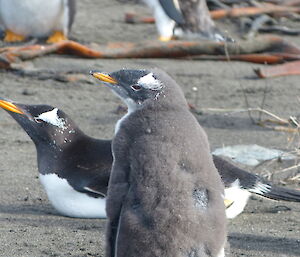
188 19
165 196
239 184
36 18
73 168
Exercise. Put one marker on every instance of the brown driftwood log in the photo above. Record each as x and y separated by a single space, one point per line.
284 2
291 2
279 125
286 69
281 128
182 49
252 11
135 18
254 58
266 49
227 13
279 29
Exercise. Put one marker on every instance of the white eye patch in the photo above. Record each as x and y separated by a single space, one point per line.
52 118
149 82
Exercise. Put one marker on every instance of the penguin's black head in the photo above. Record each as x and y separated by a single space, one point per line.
43 123
134 87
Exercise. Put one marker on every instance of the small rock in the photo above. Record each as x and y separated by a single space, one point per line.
28 92
252 154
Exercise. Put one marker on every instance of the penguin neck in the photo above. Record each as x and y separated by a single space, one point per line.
52 156
132 107
69 138
60 142
82 155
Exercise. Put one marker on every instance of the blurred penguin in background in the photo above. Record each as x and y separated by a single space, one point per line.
184 19
21 19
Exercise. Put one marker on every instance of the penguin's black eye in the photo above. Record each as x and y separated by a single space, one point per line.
136 87
38 120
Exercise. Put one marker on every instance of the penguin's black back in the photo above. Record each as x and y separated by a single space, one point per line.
85 164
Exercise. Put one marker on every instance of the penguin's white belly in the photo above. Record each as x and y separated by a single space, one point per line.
164 24
238 196
70 202
35 18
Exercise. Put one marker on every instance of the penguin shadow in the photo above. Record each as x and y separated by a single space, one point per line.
227 121
28 209
45 216
286 246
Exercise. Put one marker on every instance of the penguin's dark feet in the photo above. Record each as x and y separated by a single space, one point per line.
56 37
12 37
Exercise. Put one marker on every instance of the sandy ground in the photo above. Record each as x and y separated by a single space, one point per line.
29 226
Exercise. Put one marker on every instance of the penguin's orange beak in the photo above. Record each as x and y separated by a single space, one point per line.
104 77
10 107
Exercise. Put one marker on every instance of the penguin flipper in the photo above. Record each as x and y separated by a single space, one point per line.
1 22
96 185
171 10
117 191
94 191
72 12
113 224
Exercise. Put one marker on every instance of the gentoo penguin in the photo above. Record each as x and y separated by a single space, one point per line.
36 18
165 196
187 19
73 168
239 184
